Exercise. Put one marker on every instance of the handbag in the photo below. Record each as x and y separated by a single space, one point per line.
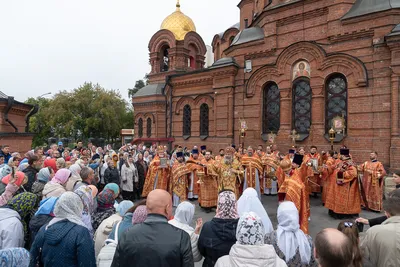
106 255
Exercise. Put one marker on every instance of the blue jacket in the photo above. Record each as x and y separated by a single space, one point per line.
64 244
125 224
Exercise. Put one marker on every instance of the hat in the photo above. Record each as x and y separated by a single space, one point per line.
195 151
233 145
179 154
230 150
286 165
160 149
203 147
298 159
292 151
345 152
60 143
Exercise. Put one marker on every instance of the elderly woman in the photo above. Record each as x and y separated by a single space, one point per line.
14 218
43 177
250 249
218 235
129 179
65 241
248 202
85 193
183 218
9 186
43 215
55 187
75 177
289 241
105 219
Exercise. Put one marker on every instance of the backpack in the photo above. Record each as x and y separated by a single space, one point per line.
106 255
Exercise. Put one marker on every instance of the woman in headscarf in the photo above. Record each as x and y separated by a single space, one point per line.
290 243
65 241
126 222
14 257
43 215
249 201
141 167
250 249
14 218
183 218
129 179
105 218
85 193
55 187
60 163
75 177
114 187
43 177
139 215
218 235
10 185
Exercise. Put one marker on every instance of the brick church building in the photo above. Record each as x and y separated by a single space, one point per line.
287 65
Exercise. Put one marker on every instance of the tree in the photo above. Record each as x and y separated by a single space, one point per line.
139 84
38 123
87 111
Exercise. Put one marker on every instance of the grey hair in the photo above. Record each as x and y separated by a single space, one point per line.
85 172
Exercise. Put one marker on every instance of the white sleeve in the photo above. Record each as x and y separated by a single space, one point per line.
13 236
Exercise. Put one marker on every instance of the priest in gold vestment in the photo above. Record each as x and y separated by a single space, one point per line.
179 183
208 185
158 173
373 173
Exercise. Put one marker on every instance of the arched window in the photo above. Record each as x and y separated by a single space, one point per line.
164 62
217 54
140 127
231 39
204 121
336 99
187 121
148 127
271 109
301 117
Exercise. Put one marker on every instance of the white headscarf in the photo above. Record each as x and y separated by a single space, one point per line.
75 170
248 202
68 207
289 235
184 213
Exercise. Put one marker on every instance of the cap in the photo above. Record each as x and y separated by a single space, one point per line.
233 145
292 151
60 143
179 154
195 151
344 151
203 147
298 159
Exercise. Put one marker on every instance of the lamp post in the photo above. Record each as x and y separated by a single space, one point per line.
49 93
332 136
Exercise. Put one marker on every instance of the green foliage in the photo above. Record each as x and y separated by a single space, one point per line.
139 84
87 111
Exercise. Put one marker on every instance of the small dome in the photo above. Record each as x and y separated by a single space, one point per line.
178 23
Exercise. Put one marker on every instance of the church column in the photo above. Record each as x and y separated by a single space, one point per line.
317 113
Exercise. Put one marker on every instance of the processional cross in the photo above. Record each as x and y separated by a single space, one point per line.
294 136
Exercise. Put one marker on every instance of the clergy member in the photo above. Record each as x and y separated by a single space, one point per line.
253 171
180 176
194 167
208 186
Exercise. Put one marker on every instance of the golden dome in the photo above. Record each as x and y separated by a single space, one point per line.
178 23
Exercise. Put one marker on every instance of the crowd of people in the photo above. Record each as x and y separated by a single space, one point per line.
96 206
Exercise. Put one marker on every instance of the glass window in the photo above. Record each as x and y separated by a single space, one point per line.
271 109
301 116
204 119
148 126
187 120
336 99
140 127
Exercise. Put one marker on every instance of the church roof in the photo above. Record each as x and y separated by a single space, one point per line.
248 35
395 31
235 26
364 7
223 62
151 89
178 23
3 95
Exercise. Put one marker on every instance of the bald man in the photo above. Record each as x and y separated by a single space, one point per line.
155 242
333 248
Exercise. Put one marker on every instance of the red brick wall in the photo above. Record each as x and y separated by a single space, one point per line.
17 143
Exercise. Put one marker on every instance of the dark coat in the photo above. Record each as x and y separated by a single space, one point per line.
154 243
64 244
31 173
111 175
216 239
36 223
6 156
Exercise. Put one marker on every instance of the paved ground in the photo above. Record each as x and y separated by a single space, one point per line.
319 215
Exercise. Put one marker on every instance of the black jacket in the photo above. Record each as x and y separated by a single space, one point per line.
31 173
111 175
36 223
216 239
154 243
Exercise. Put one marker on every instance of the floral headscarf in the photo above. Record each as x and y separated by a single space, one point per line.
61 176
106 198
14 257
250 230
85 193
226 207
24 204
140 214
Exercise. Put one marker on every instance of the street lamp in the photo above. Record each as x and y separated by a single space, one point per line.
49 93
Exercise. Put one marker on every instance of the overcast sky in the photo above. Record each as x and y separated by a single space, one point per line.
52 45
